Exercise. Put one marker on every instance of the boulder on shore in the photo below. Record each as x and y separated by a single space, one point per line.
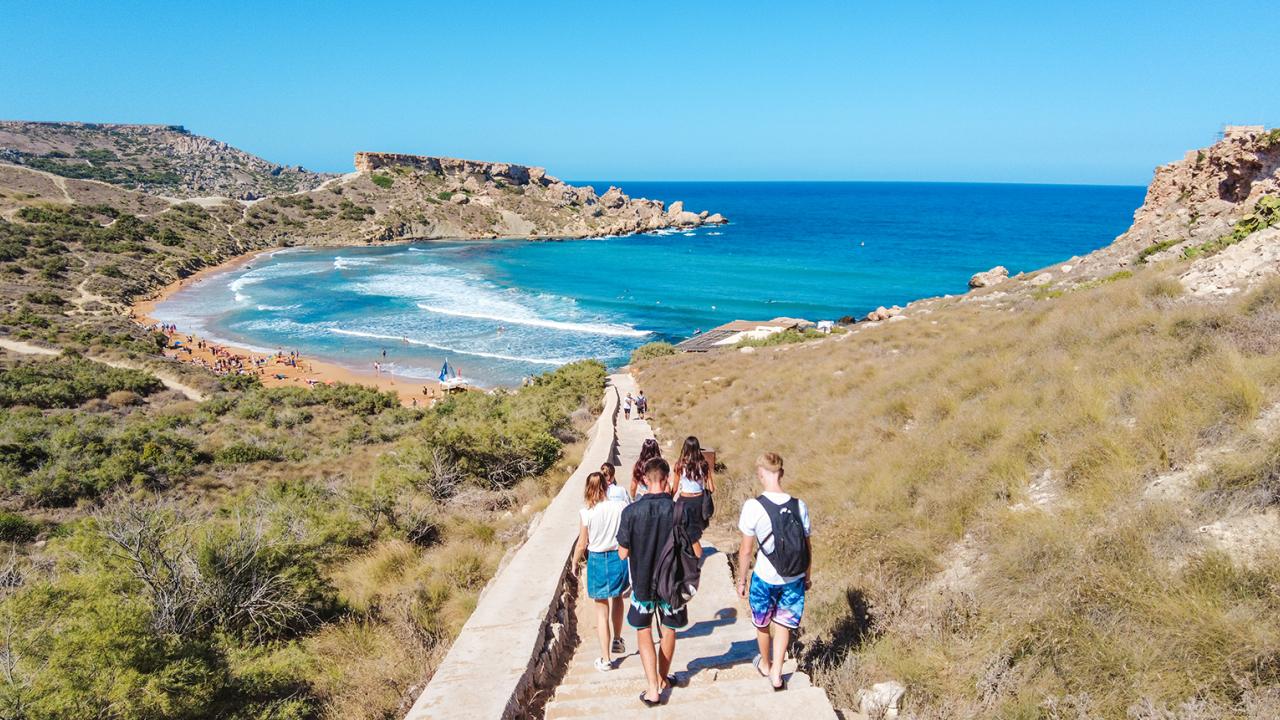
883 313
994 276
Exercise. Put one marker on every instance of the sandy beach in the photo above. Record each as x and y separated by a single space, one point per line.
280 369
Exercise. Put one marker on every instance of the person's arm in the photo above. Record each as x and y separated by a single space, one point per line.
711 477
580 549
808 570
623 537
745 551
697 548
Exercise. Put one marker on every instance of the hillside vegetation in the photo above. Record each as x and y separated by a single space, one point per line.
1056 498
281 553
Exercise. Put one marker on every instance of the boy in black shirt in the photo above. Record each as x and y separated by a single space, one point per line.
645 526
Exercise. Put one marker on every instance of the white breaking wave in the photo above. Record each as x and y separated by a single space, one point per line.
443 348
277 308
342 263
590 328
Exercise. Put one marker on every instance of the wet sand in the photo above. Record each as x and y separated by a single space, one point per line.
274 371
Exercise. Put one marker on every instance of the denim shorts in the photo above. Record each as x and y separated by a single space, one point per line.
783 604
606 575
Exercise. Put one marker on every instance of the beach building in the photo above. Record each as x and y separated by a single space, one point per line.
734 332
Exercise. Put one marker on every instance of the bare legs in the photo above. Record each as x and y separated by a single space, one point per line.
608 618
772 642
616 605
602 628
657 665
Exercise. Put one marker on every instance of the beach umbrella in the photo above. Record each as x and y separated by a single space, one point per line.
444 371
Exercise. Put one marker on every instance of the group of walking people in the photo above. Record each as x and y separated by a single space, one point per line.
643 550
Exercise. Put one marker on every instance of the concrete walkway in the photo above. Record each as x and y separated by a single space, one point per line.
713 660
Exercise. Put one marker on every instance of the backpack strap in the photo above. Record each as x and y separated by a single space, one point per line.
771 510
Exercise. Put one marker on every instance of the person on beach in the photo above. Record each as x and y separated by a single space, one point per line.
648 451
778 525
646 525
626 407
606 571
694 507
615 491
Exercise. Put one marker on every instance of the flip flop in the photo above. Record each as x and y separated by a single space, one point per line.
649 703
756 662
779 688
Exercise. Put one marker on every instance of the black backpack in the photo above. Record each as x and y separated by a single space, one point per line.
790 556
676 573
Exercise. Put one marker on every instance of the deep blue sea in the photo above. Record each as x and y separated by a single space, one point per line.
503 310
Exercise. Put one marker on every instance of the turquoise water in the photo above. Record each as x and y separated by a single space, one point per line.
502 310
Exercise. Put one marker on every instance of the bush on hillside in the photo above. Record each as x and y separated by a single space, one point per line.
786 337
57 459
68 382
497 439
652 350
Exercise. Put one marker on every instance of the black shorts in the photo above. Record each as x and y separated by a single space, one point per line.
640 614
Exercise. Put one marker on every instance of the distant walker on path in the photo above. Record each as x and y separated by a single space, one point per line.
778 525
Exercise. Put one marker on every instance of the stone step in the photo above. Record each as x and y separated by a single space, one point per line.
688 660
799 704
721 681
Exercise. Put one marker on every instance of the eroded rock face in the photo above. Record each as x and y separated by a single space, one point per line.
1200 197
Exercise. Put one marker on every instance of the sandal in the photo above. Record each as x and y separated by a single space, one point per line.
779 688
756 663
649 703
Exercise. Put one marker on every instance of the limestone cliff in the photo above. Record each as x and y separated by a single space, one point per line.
1200 198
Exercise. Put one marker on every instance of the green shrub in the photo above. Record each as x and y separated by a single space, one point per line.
382 181
58 458
1150 250
782 338
241 453
68 382
16 529
496 439
652 350
45 297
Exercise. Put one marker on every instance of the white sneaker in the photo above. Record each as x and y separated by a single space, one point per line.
603 665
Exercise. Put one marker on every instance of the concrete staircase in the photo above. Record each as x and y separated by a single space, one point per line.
713 660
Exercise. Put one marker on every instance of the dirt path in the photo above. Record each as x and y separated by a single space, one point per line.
169 381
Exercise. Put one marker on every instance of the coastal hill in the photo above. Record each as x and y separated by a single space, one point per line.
389 196
159 159
1054 496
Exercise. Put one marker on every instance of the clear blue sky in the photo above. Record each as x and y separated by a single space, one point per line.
1078 92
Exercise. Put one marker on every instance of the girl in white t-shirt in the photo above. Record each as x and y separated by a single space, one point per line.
606 572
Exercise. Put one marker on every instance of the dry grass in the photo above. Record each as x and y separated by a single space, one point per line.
906 436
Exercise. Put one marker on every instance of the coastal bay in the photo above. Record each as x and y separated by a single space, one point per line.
503 310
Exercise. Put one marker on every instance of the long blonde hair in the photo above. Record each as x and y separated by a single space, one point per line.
596 490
